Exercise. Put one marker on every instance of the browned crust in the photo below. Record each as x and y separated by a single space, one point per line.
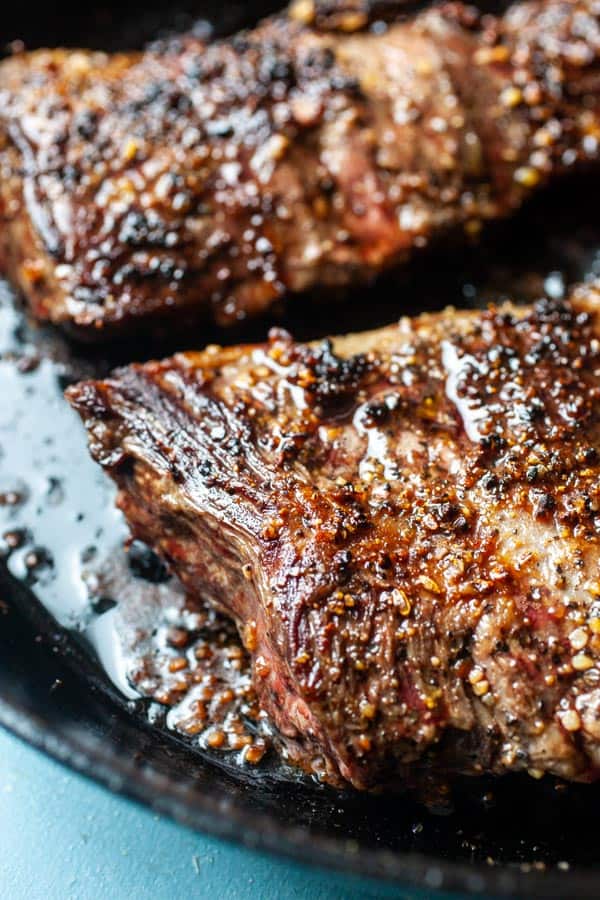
216 180
405 525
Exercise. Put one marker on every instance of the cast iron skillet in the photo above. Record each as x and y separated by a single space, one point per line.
514 836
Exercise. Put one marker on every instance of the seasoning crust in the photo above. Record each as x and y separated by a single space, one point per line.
312 152
404 525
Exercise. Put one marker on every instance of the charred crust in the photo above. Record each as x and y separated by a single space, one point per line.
423 530
224 177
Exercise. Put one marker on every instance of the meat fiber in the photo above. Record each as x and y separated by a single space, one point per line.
214 180
404 524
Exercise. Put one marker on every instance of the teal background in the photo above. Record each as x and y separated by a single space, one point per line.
63 837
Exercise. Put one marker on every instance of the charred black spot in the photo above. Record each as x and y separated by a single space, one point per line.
205 469
376 413
86 123
490 481
545 504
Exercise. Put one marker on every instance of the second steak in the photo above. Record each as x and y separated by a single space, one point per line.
217 179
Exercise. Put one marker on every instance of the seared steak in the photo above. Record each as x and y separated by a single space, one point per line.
404 524
217 179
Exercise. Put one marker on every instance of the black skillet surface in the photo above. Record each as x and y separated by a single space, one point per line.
514 836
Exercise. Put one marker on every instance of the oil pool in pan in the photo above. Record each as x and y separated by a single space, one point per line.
62 535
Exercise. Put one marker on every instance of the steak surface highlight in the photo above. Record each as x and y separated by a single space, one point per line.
403 523
218 178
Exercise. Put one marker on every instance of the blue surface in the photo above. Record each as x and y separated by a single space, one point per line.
63 837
